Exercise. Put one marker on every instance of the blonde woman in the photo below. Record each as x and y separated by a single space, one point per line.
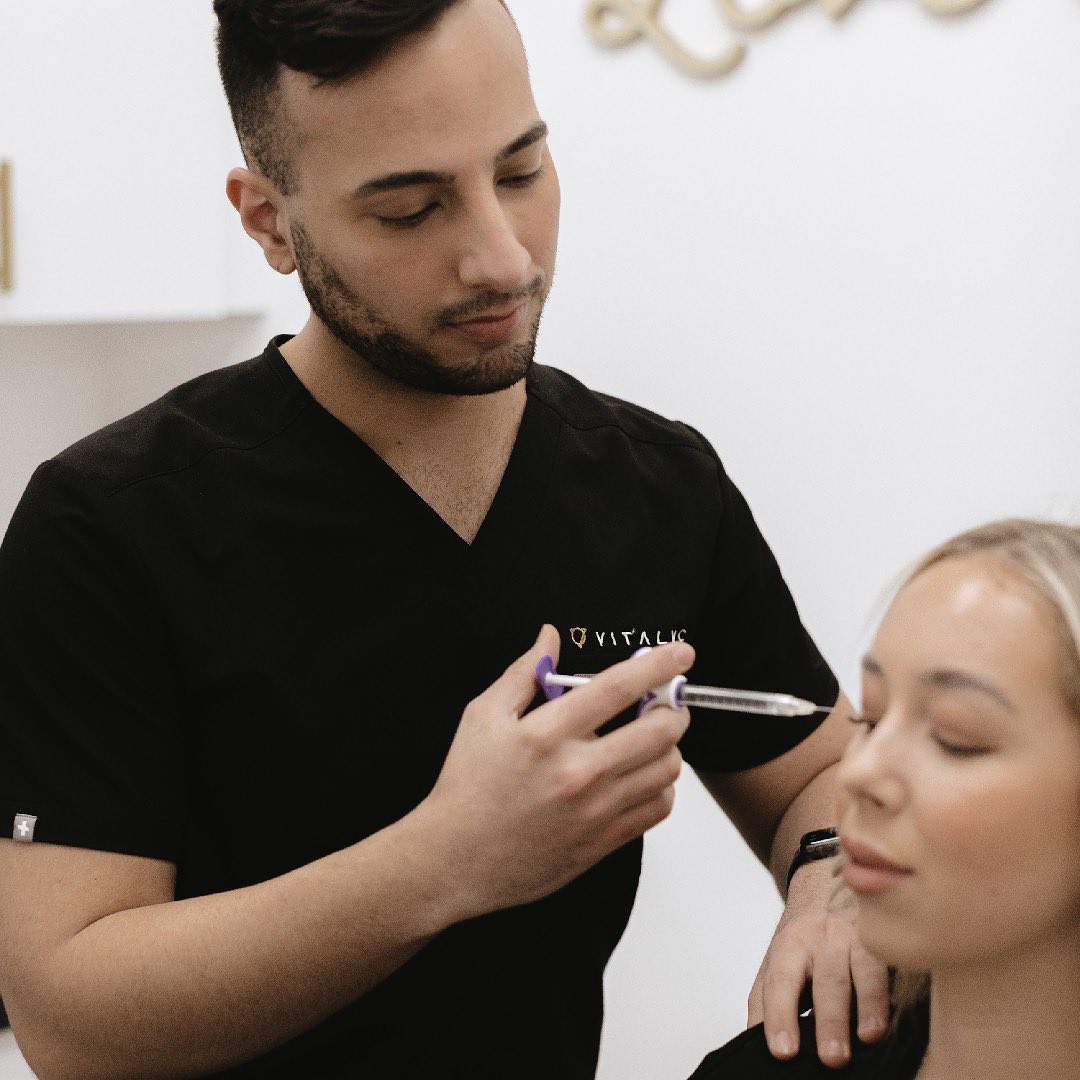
960 818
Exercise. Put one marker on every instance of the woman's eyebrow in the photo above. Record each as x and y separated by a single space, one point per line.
871 667
949 679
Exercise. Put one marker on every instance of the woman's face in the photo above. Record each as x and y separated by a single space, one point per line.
960 804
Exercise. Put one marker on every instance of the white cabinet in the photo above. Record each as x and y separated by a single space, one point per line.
114 122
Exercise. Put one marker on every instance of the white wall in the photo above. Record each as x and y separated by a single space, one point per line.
853 264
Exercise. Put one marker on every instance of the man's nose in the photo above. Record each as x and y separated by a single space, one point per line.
493 257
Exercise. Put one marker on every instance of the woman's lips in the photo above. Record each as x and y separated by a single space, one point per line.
867 871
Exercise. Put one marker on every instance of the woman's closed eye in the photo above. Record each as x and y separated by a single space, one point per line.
958 745
950 744
958 750
867 722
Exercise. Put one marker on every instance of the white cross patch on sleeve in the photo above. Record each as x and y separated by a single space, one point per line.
24 828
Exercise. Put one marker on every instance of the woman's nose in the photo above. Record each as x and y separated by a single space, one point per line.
872 767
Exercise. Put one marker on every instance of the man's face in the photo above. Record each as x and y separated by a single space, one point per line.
425 214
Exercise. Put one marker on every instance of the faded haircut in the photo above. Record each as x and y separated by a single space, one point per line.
331 40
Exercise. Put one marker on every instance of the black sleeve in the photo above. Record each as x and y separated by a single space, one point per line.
898 1056
89 739
751 638
747 1057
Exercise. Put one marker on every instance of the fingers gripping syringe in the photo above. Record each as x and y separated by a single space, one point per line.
678 693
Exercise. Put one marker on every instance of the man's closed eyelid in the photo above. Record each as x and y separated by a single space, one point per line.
522 179
405 220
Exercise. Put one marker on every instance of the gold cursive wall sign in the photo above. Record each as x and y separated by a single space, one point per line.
618 23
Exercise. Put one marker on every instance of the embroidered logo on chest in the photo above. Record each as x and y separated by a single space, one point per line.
581 636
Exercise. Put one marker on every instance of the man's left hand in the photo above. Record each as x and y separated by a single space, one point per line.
814 943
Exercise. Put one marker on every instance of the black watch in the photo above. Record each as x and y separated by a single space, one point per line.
819 844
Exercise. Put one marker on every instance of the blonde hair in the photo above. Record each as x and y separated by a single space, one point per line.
1046 557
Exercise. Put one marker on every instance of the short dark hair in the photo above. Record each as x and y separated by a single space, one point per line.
329 39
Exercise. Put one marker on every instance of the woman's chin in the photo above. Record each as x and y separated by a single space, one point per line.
894 941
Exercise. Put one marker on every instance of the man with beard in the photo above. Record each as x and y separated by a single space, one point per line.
282 800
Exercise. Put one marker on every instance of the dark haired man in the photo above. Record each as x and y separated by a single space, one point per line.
267 820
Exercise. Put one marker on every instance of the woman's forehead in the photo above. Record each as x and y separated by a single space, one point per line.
969 613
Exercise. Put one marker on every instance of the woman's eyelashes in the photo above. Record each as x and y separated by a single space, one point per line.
867 722
408 221
948 746
959 749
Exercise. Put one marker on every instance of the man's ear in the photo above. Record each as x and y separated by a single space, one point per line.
256 200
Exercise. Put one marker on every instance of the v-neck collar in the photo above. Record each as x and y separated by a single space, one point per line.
511 524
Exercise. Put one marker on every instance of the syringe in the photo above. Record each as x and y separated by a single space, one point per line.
679 693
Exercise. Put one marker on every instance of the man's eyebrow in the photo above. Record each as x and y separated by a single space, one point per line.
537 132
394 181
946 679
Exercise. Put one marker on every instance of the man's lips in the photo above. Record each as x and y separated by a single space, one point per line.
868 871
490 316
491 326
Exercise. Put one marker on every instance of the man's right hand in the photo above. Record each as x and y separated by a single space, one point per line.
523 805
527 803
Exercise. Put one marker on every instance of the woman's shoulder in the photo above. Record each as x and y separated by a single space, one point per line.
897 1057
747 1055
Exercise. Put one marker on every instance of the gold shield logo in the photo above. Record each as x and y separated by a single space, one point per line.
578 635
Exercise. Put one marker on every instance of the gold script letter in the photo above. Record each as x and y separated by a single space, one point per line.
641 19
762 15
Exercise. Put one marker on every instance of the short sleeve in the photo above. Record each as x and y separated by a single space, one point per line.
89 739
751 638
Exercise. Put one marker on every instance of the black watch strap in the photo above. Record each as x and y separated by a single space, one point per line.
819 844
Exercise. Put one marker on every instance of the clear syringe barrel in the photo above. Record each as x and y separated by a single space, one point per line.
750 701
679 693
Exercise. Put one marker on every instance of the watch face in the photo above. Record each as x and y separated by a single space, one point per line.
821 844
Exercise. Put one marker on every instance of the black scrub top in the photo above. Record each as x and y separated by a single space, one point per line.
233 638
898 1056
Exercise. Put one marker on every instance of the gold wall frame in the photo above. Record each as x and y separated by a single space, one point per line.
7 227
618 23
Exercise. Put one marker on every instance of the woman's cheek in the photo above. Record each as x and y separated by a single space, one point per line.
843 803
978 829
